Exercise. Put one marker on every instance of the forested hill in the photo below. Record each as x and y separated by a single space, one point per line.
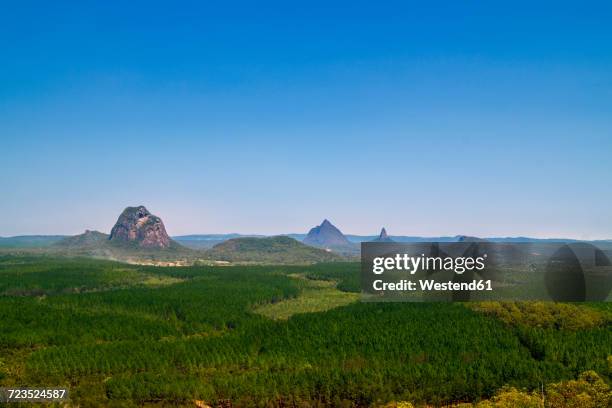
280 249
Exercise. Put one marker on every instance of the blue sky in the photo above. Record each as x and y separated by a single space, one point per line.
443 118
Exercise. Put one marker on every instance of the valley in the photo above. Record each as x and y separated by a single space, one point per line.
271 335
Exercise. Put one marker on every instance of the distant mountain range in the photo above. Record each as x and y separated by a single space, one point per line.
199 241
139 234
30 241
189 240
136 234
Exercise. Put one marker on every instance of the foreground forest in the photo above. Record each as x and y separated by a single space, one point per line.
126 335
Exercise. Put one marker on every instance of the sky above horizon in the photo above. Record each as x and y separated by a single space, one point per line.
478 118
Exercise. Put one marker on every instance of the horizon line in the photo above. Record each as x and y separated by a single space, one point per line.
345 234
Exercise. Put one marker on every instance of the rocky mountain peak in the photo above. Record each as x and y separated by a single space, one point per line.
326 235
383 237
141 211
138 225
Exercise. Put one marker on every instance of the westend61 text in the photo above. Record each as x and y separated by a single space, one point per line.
431 285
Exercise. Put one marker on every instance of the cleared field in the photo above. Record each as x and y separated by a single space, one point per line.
316 296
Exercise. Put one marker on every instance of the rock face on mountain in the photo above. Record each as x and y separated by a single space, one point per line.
137 225
383 237
326 235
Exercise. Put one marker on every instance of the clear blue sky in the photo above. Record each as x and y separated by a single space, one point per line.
430 118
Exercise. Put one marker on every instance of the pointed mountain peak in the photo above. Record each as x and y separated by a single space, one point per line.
326 235
383 237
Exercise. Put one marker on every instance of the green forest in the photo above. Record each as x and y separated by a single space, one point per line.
129 335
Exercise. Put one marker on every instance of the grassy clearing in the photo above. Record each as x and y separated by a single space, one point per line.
316 296
154 281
